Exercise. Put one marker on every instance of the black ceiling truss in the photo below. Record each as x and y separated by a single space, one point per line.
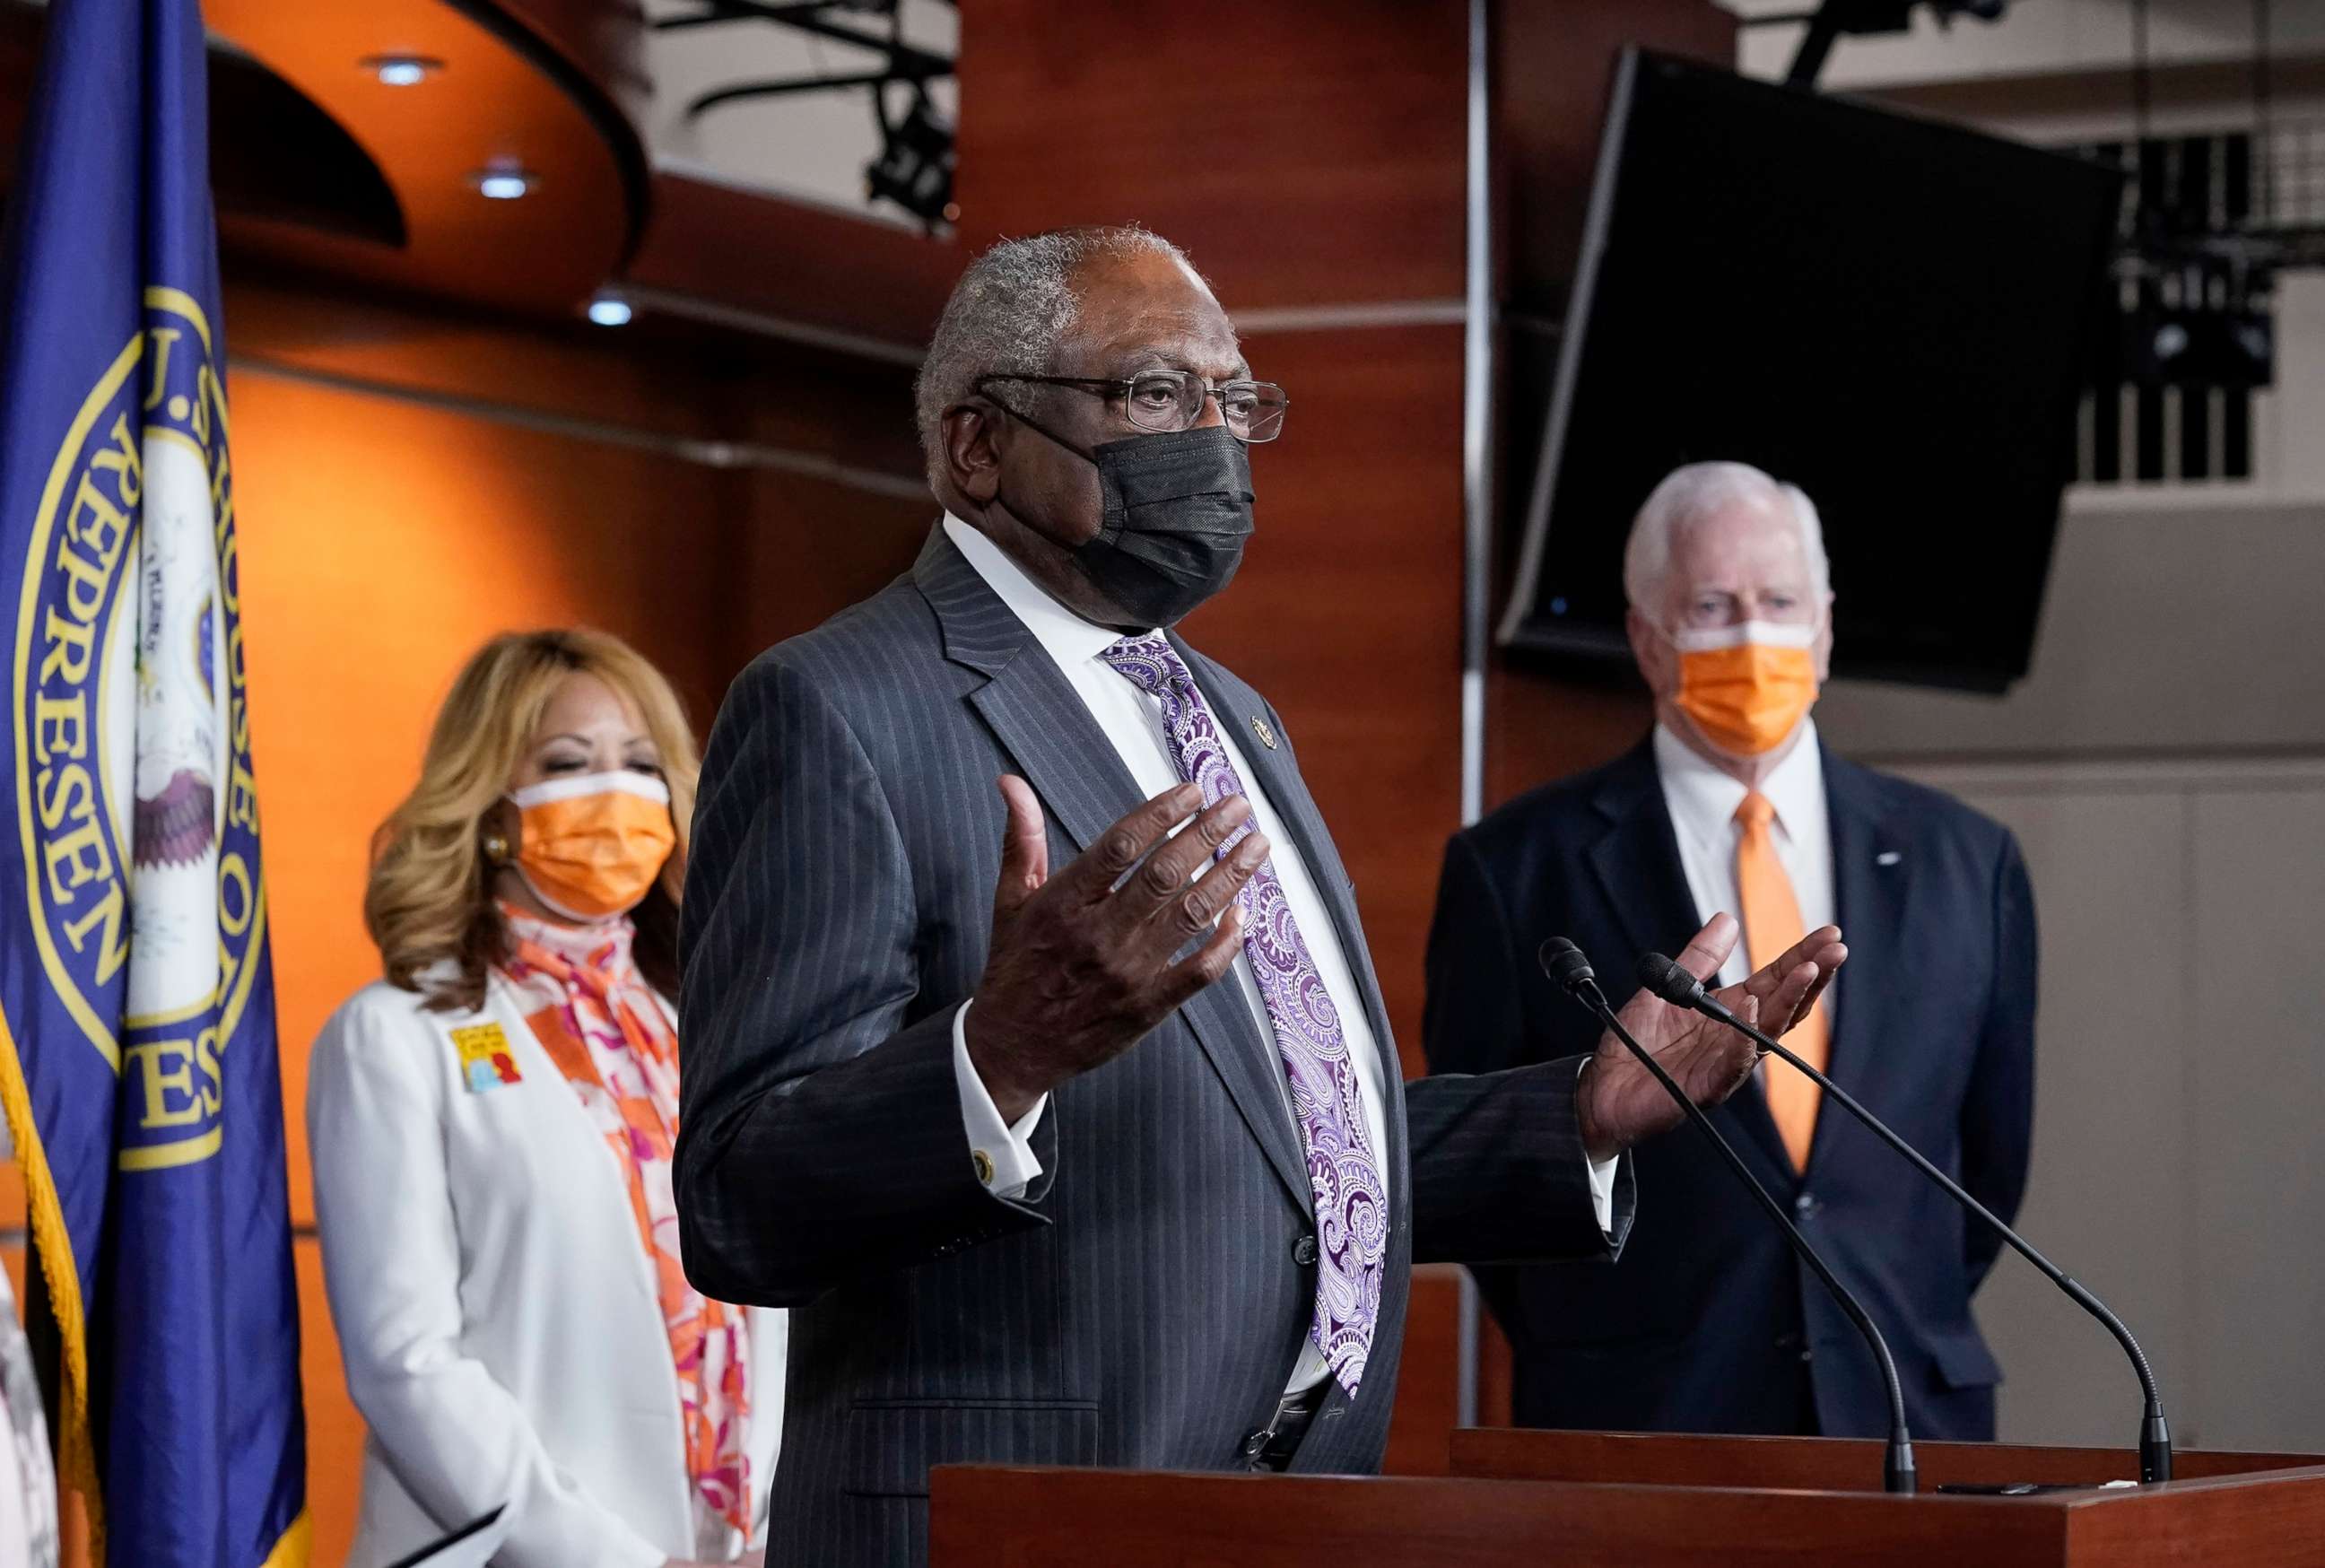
1837 19
903 62
915 168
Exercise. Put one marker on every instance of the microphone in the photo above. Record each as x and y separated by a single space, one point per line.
1566 964
1675 985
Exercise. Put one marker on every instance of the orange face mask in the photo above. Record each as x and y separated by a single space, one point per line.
589 846
1748 686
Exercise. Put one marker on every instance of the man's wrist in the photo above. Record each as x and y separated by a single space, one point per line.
1597 1147
1011 1097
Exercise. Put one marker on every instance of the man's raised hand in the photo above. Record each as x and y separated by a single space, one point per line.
1619 1102
1084 963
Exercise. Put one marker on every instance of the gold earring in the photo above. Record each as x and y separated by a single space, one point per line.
496 849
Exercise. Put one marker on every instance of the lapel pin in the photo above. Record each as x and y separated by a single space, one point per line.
486 1061
1260 727
1887 857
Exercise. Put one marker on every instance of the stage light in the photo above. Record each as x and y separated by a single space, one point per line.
402 70
504 184
610 310
1836 19
915 169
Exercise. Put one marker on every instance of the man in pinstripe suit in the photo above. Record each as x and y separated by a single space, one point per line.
913 1110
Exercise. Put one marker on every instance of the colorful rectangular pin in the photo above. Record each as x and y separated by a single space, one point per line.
486 1059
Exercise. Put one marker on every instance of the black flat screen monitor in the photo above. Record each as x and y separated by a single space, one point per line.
1890 312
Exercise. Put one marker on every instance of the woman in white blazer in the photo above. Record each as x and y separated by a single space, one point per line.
491 1126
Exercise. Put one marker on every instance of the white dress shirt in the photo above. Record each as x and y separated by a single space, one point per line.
1702 802
1131 721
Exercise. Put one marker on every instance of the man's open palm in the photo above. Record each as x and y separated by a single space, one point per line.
1620 1102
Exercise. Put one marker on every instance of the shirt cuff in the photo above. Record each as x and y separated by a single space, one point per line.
1002 1154
1601 1173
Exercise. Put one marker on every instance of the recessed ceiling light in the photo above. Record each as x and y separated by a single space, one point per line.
402 70
505 185
610 310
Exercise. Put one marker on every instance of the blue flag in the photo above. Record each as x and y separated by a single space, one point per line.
137 1063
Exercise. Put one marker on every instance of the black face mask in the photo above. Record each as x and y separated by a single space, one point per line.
1175 511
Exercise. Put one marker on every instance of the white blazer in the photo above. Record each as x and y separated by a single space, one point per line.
497 1312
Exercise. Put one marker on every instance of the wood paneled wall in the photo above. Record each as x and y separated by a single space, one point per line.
1305 154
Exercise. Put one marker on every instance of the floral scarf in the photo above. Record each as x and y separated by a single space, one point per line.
611 1037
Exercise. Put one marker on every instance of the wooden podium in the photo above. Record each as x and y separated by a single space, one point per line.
1627 1500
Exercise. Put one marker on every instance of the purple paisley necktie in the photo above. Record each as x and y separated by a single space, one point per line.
1343 1173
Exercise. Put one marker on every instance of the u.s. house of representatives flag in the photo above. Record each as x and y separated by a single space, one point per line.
138 1063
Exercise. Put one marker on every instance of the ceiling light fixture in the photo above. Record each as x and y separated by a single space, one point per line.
610 310
505 183
401 70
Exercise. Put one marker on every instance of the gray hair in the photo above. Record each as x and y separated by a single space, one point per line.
1696 491
1008 313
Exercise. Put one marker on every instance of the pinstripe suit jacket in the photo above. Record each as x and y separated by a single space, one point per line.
1142 1305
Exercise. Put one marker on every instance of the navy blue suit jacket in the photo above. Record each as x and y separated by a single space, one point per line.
1708 1323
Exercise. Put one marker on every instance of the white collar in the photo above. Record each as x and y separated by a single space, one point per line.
1708 797
1067 637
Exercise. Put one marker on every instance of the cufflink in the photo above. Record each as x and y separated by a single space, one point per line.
984 1164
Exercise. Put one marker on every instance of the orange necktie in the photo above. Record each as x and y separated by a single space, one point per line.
1772 922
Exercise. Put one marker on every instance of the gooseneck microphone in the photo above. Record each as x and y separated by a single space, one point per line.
1566 965
1675 985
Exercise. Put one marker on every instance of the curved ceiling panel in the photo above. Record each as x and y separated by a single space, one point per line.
498 97
274 154
322 168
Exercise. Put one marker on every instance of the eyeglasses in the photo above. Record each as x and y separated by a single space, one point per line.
1173 400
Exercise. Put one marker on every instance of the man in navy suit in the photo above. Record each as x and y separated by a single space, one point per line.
1708 1323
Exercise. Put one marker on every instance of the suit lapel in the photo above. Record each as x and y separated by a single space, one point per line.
1638 868
1057 746
1061 751
1025 700
1869 904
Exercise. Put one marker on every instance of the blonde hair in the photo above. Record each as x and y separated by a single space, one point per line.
430 898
